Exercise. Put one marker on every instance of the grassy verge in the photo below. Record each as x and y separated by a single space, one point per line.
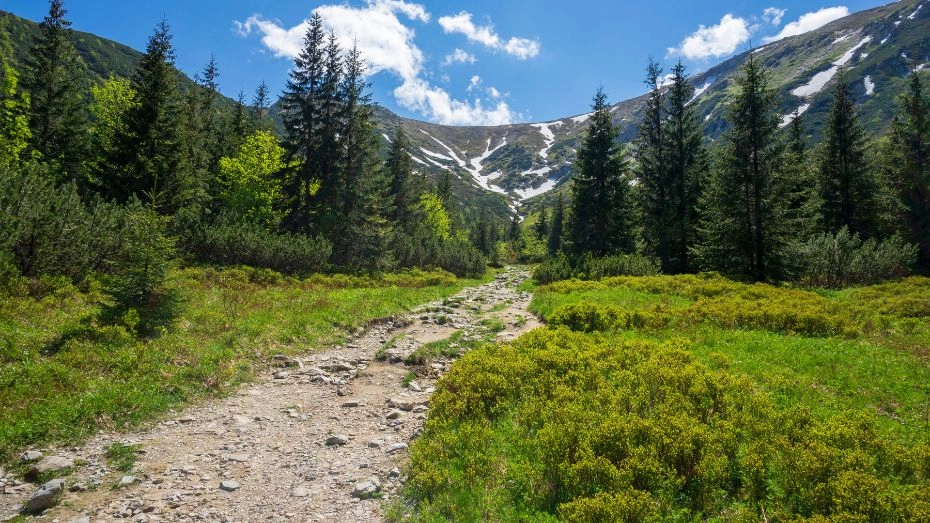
688 398
64 377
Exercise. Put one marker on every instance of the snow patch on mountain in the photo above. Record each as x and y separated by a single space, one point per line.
526 194
869 86
419 161
820 79
788 118
581 118
885 40
435 155
488 151
545 129
700 90
454 157
914 14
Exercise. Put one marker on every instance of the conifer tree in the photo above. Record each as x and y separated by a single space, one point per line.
335 113
57 119
801 181
261 105
745 226
444 189
403 193
652 172
554 243
542 224
602 219
848 189
147 160
362 231
303 120
910 165
240 125
686 163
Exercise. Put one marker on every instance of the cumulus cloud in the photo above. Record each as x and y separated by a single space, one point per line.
773 15
387 45
810 21
522 48
474 83
458 56
714 41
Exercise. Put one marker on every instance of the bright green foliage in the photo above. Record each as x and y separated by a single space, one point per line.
587 267
435 216
112 101
589 428
54 80
242 243
746 226
14 105
602 206
849 191
250 187
141 298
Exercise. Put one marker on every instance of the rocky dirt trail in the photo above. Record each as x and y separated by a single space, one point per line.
320 438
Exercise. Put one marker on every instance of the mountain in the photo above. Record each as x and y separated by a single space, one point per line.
878 47
497 170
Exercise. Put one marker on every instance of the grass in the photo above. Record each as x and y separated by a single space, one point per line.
64 377
121 457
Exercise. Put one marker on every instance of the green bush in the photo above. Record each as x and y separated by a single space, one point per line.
247 244
141 298
589 428
843 259
562 267
46 228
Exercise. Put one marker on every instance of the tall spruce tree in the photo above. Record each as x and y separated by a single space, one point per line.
910 165
848 189
57 117
554 243
147 158
745 226
363 229
302 115
542 223
801 181
261 105
403 192
335 113
686 164
652 172
602 220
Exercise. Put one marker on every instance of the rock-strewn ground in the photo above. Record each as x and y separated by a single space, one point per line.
321 438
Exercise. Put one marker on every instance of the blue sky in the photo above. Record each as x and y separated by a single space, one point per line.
469 62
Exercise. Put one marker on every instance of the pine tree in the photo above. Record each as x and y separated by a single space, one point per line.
686 163
554 244
910 165
334 115
847 187
652 172
57 118
147 160
261 105
303 120
542 224
745 226
602 208
403 193
362 232
239 126
801 182
444 189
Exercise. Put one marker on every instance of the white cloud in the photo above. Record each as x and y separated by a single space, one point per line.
462 23
474 83
714 41
387 45
773 15
494 92
810 21
458 56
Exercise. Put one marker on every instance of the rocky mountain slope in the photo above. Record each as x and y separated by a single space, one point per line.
878 48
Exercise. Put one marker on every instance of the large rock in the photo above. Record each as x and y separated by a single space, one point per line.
50 464
229 485
45 497
367 489
337 440
30 455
